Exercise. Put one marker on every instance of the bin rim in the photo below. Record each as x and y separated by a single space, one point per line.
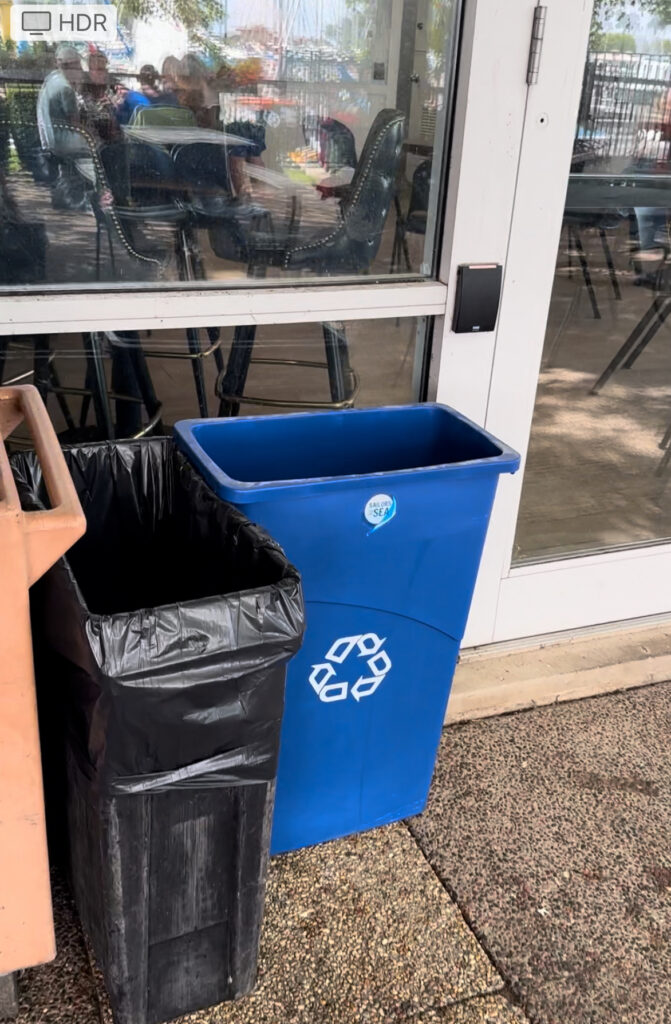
506 460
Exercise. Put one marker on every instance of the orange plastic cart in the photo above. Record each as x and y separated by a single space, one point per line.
30 543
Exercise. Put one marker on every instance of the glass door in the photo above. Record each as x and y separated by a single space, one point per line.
592 512
599 464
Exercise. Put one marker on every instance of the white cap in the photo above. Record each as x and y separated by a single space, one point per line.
67 53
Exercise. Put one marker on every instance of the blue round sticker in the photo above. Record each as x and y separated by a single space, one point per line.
379 510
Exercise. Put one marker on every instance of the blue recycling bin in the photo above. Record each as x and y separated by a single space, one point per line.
384 512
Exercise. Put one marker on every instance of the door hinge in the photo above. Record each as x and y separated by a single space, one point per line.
536 45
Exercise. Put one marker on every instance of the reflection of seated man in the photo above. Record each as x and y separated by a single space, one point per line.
150 87
98 114
126 101
58 105
238 156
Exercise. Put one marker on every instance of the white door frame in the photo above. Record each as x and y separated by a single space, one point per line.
571 593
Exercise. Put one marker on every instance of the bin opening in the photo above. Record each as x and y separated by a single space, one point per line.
357 443
150 539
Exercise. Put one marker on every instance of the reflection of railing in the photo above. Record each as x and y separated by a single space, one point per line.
622 94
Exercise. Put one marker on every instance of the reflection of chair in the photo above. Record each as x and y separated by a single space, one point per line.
415 219
147 190
636 343
577 221
130 186
163 117
203 172
348 246
337 148
131 391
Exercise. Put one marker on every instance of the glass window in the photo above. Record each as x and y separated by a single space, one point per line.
209 141
131 383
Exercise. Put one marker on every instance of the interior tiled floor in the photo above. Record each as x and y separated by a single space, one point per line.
385 354
590 480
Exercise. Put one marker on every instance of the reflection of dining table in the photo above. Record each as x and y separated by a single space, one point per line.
618 191
180 135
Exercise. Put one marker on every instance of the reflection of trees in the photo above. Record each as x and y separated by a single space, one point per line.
621 11
439 31
197 16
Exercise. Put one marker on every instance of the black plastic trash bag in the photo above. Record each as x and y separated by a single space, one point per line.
165 637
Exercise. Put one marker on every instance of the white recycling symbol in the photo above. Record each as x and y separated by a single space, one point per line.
369 646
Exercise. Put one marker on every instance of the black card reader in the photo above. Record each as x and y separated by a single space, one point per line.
478 294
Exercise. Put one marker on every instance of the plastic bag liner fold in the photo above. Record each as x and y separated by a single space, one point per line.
162 644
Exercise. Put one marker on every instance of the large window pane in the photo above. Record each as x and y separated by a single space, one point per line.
214 140
126 383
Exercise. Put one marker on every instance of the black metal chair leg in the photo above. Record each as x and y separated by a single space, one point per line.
124 382
647 326
643 344
665 459
145 383
4 345
587 277
647 338
55 383
110 243
337 369
609 263
84 410
666 440
98 252
232 381
97 384
193 342
41 365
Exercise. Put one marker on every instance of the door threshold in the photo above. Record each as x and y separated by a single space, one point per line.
501 678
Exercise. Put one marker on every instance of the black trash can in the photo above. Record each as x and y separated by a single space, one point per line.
167 631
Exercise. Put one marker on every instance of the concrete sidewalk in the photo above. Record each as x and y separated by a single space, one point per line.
547 831
552 829
358 931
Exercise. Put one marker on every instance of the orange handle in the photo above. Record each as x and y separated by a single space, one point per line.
30 542
48 534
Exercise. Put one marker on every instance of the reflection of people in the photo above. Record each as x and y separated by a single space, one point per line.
651 221
97 114
169 74
97 82
238 156
150 87
126 101
195 92
58 103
